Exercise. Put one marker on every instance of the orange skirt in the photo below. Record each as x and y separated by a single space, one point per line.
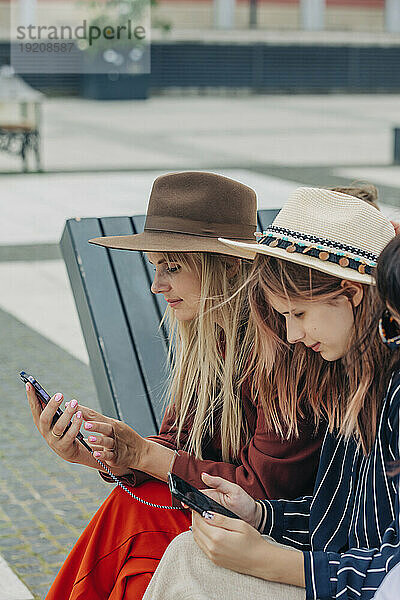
118 552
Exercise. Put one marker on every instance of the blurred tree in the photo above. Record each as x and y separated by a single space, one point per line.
114 13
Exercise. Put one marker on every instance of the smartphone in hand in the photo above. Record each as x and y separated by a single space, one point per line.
44 399
196 500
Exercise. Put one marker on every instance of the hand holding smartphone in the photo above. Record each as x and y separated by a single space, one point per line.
44 399
196 500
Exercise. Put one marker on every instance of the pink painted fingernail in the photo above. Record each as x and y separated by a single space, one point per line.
58 397
92 438
88 426
73 404
79 415
27 387
96 454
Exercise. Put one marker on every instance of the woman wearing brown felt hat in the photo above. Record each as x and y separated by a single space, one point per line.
213 422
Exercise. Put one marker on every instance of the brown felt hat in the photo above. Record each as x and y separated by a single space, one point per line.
189 211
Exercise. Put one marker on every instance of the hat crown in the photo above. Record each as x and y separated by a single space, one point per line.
204 199
338 218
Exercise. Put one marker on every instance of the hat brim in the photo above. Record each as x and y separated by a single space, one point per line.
149 241
302 259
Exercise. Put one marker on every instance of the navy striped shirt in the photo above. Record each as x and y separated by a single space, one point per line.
349 529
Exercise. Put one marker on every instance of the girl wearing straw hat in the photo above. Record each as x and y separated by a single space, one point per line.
212 421
317 313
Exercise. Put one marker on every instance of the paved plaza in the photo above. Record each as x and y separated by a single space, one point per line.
217 131
100 159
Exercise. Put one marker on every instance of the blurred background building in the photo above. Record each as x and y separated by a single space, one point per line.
344 15
261 46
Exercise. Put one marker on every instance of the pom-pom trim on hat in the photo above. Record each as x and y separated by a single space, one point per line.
340 254
330 244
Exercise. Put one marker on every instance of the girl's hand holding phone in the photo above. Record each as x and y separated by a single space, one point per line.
110 441
63 442
236 545
229 543
61 436
233 497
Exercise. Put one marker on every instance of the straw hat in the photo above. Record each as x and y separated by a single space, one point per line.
326 230
188 211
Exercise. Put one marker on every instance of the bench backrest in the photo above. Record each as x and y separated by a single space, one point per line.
120 319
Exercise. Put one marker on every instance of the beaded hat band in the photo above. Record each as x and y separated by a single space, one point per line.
345 256
326 230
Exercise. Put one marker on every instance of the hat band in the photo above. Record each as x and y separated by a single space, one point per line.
201 228
337 246
332 256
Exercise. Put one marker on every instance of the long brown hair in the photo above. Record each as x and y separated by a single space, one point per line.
290 377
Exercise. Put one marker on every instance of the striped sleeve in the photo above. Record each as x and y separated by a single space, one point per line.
355 574
287 521
359 572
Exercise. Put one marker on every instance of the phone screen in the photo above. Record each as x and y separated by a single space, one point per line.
195 499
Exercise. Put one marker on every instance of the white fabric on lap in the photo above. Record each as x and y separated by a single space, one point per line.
186 573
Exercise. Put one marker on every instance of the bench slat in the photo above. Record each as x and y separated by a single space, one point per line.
141 313
117 377
265 218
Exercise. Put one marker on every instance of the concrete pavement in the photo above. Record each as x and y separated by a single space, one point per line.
166 133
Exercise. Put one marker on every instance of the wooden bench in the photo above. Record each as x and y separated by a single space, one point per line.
120 319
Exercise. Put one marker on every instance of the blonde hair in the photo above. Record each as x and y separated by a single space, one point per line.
290 377
210 354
